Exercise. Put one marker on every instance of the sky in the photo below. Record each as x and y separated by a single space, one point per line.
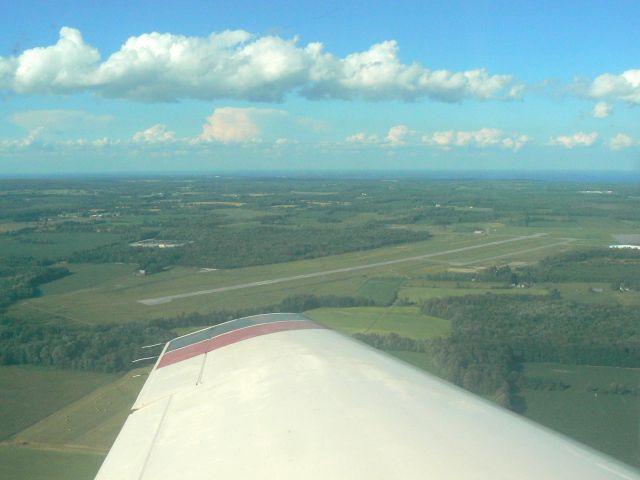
152 86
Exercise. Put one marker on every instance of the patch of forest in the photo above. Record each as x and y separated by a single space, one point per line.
230 247
545 329
20 277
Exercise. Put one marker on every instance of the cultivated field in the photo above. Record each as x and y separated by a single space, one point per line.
612 424
90 423
29 394
24 463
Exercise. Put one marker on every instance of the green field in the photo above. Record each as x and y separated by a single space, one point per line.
92 422
108 297
381 290
87 276
607 422
404 321
21 463
66 437
582 292
418 359
29 394
419 294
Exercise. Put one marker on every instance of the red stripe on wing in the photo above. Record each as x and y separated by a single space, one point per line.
229 338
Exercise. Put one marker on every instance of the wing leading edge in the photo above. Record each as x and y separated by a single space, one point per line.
279 396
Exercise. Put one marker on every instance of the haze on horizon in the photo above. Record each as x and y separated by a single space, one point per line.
89 88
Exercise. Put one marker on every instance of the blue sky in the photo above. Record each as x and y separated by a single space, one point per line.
151 86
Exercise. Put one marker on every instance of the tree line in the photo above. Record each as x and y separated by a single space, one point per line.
112 347
619 267
21 277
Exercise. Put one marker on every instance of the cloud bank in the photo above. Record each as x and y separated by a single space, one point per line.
162 67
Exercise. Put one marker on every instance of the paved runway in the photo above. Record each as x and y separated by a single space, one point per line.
169 298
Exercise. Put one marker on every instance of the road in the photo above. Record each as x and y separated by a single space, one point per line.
169 298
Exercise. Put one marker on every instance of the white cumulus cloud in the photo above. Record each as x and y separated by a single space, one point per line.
236 125
157 133
235 64
67 66
624 87
621 141
362 137
579 139
483 137
515 143
602 110
378 73
399 134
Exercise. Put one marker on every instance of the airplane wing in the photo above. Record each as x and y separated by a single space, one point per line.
280 397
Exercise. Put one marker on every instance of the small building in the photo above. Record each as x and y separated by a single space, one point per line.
632 247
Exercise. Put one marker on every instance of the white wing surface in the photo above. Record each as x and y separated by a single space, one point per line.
280 397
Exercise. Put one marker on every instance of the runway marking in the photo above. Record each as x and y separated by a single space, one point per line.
170 298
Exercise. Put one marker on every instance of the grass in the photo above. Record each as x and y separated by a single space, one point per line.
72 439
20 463
580 292
381 290
531 249
29 394
106 297
418 359
448 289
92 422
404 321
85 276
596 230
606 422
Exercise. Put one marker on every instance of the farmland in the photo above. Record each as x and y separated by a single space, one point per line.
402 263
588 396
22 463
30 394
91 423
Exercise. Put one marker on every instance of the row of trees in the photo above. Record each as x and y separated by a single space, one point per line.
112 347
602 265
615 266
